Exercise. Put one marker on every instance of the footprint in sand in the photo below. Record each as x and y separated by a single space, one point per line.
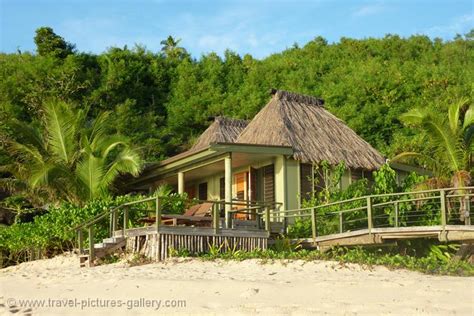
249 293
13 309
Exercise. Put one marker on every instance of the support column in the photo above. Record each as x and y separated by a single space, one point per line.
180 182
228 187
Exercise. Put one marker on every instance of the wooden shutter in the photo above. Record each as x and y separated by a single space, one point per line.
269 183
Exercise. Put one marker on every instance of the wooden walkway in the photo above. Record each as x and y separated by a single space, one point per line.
443 214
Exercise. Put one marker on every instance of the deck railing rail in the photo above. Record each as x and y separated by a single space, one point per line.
259 211
438 207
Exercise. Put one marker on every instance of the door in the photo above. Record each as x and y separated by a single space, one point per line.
241 192
252 189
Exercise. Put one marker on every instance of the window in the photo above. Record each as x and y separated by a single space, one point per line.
356 174
202 191
306 181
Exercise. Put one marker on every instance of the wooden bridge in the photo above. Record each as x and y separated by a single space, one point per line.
444 214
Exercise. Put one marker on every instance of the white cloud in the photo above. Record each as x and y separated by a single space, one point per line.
459 25
370 9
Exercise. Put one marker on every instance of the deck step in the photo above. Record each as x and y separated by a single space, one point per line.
113 240
108 245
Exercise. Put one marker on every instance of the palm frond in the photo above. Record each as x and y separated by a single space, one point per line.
90 172
127 161
61 128
27 134
469 117
453 115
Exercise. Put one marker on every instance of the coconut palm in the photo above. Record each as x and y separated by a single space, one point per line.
171 48
68 158
452 138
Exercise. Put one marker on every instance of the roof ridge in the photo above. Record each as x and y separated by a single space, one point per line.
291 96
230 121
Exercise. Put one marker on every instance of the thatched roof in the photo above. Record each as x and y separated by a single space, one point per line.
315 134
222 130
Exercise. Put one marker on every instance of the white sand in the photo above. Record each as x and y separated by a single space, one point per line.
222 287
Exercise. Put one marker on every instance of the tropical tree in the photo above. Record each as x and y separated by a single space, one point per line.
66 157
451 137
49 43
171 48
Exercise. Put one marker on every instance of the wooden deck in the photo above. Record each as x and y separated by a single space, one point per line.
194 240
192 234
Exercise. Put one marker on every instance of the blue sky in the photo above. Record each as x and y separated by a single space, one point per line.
256 27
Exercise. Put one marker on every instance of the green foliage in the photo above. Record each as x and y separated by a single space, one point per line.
451 136
173 203
68 157
437 260
384 182
285 244
49 43
162 100
51 233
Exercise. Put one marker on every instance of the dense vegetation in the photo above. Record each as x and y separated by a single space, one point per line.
161 100
53 232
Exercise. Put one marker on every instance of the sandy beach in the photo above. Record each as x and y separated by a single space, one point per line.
191 286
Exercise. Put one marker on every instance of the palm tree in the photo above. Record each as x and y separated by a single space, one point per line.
171 48
66 159
450 135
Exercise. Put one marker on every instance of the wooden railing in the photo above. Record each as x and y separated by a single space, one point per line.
260 210
448 206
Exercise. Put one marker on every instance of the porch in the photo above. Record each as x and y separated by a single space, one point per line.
227 172
247 227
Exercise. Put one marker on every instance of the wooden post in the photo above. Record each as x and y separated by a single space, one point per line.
285 220
111 229
91 246
396 214
114 222
369 214
467 216
158 214
180 182
125 220
442 197
340 223
267 219
80 241
228 188
215 217
314 228
258 218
